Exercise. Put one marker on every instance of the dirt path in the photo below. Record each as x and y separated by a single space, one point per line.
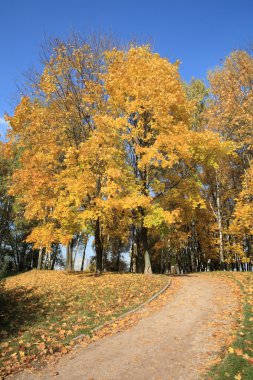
174 343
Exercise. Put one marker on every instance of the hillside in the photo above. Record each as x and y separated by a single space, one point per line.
42 311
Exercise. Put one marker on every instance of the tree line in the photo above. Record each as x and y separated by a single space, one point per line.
110 143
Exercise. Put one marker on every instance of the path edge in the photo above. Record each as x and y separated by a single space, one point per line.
100 327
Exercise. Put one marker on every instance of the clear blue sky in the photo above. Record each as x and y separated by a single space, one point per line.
199 33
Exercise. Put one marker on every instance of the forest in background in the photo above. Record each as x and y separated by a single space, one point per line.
110 143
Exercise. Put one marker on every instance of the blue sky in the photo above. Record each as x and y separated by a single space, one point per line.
198 33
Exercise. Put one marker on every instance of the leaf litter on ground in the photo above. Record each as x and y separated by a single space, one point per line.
42 312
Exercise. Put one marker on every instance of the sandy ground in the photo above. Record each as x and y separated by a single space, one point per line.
176 342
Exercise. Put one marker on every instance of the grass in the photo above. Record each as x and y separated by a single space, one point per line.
238 362
41 312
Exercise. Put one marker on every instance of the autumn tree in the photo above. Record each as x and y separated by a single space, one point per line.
65 143
230 110
15 253
111 143
230 114
155 120
242 223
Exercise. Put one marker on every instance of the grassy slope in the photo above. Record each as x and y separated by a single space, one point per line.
42 311
238 362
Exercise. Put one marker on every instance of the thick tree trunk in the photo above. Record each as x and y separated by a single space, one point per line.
69 257
83 257
167 268
44 264
40 259
139 252
98 248
147 268
76 248
49 254
133 257
53 262
144 248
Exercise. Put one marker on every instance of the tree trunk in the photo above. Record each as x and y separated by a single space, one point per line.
76 248
118 261
44 264
49 260
147 269
15 261
133 251
69 258
249 245
139 252
219 221
98 248
21 264
133 257
83 257
145 252
40 259
53 262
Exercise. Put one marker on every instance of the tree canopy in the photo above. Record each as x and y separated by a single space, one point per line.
109 142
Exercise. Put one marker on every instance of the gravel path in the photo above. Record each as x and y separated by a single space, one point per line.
174 343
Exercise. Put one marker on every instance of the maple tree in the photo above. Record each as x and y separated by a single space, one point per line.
242 224
230 109
95 163
230 114
63 104
15 253
151 126
156 120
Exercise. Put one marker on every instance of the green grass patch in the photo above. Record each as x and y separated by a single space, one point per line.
238 362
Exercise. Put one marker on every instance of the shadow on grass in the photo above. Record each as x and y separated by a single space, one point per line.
19 309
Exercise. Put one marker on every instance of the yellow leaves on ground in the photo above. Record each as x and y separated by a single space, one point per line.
42 311
239 359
